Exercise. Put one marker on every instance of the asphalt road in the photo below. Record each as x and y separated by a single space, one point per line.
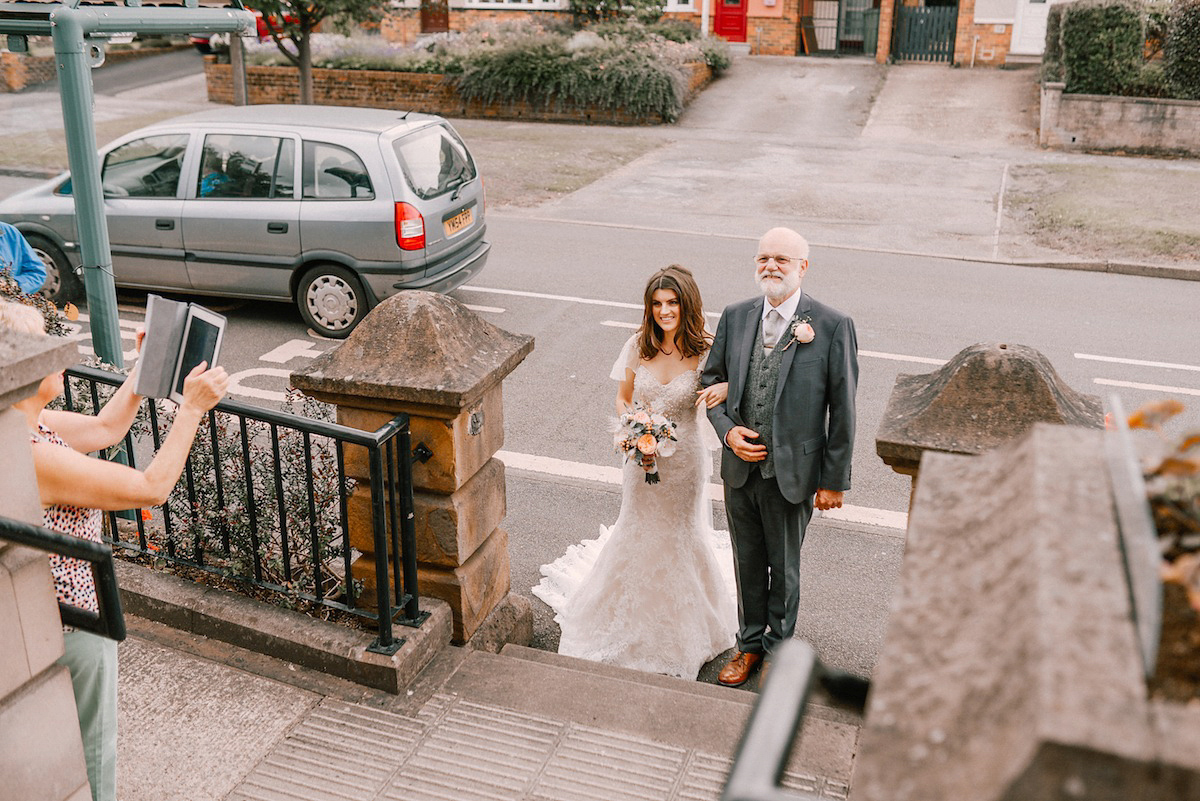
571 287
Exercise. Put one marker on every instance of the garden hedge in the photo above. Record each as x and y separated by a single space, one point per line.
1102 43
1181 51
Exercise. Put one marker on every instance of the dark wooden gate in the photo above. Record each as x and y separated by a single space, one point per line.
925 34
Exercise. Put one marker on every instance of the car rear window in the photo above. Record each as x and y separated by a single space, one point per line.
434 161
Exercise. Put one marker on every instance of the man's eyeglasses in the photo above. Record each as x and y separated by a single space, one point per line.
781 260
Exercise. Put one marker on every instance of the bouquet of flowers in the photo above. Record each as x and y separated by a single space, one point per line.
643 435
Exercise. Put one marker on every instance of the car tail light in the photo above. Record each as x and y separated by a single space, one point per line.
410 227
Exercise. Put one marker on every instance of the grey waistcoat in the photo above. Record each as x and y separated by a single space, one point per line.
758 399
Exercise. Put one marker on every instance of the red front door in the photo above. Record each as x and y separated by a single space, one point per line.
730 20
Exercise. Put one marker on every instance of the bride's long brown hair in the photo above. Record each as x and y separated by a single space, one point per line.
691 338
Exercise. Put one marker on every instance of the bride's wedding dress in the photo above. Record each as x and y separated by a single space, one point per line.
655 591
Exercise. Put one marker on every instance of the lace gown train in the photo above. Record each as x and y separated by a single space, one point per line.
654 592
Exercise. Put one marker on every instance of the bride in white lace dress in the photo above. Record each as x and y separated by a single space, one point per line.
655 592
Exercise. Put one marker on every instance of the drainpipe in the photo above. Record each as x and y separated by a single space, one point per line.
704 10
974 46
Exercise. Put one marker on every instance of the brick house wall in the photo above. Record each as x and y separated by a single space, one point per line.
403 25
990 50
776 36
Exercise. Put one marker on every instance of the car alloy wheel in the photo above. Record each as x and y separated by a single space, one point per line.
332 300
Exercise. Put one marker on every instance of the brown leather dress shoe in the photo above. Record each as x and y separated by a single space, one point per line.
738 669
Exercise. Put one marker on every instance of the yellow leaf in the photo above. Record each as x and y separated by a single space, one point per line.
71 311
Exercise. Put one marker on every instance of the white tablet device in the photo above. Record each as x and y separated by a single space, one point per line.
202 334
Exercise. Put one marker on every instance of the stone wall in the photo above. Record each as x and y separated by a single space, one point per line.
407 90
1011 668
1131 124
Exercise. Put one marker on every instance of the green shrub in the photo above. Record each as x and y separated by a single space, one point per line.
716 53
542 72
1181 51
591 11
1151 81
677 30
1101 46
1052 57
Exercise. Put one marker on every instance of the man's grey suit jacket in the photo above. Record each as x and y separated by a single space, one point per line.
813 437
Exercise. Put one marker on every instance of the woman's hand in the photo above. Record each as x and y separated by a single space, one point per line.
203 389
714 395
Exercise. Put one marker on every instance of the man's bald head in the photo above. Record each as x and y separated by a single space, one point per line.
781 262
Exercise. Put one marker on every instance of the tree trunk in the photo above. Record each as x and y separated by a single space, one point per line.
304 51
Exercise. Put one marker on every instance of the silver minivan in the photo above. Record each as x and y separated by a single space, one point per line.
331 208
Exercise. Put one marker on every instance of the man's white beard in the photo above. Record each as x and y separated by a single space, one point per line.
777 291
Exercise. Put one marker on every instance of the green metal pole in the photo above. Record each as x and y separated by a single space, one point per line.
71 54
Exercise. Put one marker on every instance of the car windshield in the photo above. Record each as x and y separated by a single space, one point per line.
434 160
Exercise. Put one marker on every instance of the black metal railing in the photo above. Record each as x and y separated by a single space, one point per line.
110 622
265 500
762 754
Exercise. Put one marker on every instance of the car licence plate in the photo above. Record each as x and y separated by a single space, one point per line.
459 222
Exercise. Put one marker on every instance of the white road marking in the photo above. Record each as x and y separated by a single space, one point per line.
292 349
237 388
898 357
1152 387
485 309
546 296
133 325
1137 362
612 475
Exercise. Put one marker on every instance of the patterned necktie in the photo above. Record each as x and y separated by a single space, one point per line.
772 330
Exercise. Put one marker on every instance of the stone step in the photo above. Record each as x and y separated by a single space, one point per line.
733 694
815 708
674 712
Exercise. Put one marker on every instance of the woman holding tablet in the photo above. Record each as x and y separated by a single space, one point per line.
75 489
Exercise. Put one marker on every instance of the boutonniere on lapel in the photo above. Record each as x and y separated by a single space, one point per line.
802 332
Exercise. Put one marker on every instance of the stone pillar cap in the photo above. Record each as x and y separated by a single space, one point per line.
986 395
26 359
417 347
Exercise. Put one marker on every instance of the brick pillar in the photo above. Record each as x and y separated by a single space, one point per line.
428 356
41 754
985 396
883 47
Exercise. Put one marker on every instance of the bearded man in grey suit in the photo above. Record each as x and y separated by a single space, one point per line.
788 429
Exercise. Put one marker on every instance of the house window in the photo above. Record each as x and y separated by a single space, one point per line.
679 5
